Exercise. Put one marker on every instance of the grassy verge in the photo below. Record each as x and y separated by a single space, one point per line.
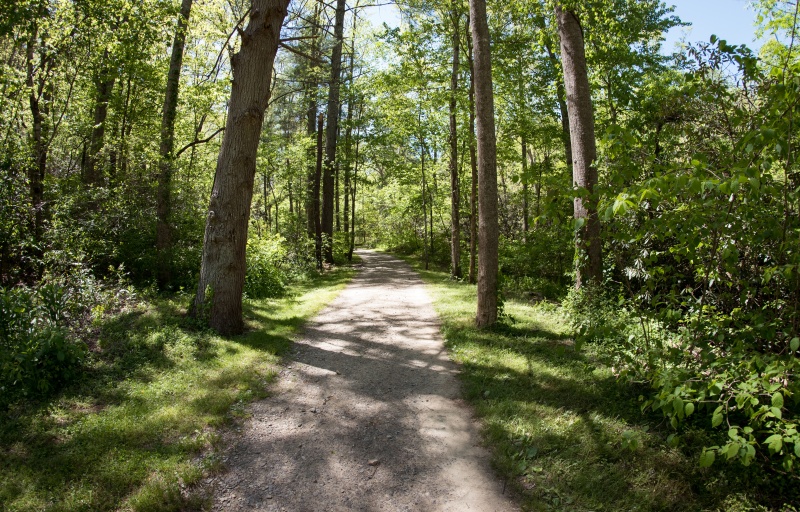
564 431
139 431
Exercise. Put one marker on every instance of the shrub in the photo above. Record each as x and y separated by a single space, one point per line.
265 258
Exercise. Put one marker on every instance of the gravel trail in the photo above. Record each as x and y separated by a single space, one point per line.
366 414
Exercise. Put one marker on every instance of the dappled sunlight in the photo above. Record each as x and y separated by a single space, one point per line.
366 412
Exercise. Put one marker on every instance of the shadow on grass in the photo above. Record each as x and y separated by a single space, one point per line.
142 411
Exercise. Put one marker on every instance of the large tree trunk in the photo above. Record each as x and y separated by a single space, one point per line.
222 270
168 114
581 127
473 163
488 238
455 191
332 132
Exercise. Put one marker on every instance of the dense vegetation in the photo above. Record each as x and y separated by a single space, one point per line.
680 225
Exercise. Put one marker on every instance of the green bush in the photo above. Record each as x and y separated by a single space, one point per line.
265 277
37 353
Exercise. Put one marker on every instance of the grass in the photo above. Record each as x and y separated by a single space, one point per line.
564 431
140 430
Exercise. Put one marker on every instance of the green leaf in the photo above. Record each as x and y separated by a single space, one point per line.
707 458
776 412
794 344
777 400
775 443
732 451
716 419
689 409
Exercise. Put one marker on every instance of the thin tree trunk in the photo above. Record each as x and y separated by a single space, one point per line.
584 174
562 107
354 186
104 84
487 169
332 132
348 146
317 183
473 163
424 206
311 129
167 147
455 187
525 226
37 169
222 270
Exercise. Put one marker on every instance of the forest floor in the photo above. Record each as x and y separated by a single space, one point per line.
366 415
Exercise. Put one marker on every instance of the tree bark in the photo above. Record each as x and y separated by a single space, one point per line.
316 209
311 129
525 226
104 85
455 190
488 239
473 163
167 147
38 167
222 271
581 127
332 132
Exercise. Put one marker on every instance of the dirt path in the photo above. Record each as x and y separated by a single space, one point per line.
366 415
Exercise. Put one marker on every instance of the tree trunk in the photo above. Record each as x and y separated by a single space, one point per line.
525 226
423 194
37 169
581 127
317 184
562 106
222 270
488 239
473 163
311 129
104 85
455 190
167 147
354 187
348 134
332 132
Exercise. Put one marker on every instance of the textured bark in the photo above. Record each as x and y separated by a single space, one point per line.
581 128
222 270
473 163
331 134
167 147
455 190
487 168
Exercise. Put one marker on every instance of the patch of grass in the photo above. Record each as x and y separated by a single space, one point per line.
139 431
564 431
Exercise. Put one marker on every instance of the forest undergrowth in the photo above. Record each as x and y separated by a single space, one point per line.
568 433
